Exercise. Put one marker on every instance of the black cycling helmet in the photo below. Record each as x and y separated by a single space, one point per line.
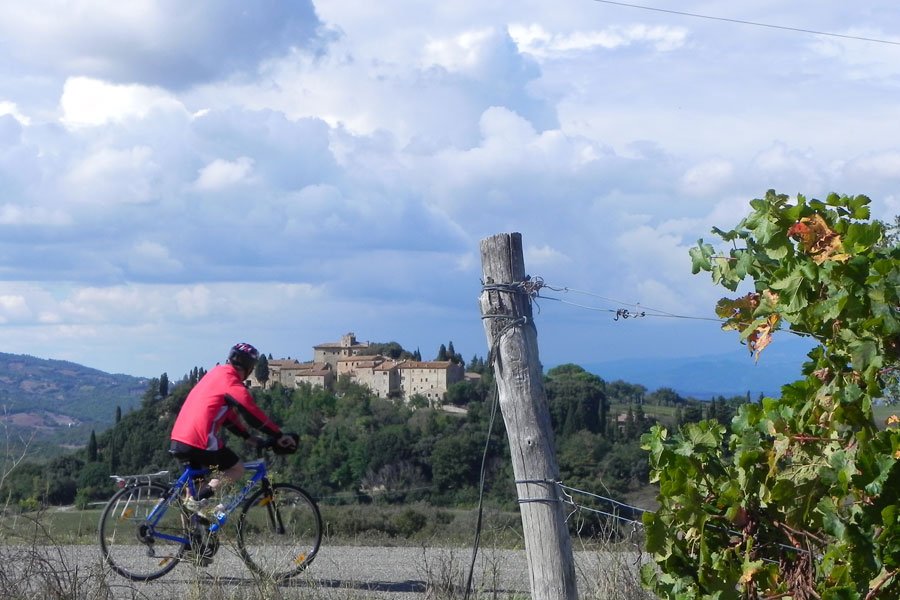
243 356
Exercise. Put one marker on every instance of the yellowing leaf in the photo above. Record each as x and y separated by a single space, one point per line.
738 313
762 335
750 570
818 239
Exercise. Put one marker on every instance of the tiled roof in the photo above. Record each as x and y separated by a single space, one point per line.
313 368
433 364
339 345
283 362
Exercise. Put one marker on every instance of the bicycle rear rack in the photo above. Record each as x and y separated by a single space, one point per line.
129 480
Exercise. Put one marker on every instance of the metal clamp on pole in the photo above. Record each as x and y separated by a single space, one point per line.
547 482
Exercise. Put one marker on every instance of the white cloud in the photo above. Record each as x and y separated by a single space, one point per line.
10 108
856 60
221 173
152 42
13 308
884 165
378 151
90 102
194 301
114 176
151 305
499 125
708 177
536 40
111 304
150 257
544 256
649 249
787 168
12 214
461 52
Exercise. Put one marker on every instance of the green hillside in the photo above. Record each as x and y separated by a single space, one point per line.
60 400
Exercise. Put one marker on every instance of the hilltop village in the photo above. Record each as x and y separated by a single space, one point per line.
386 377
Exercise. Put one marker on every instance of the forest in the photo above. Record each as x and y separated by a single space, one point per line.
357 448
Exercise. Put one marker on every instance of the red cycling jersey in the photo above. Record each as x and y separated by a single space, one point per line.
216 400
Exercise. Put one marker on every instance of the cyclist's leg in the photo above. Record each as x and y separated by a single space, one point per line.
222 461
229 469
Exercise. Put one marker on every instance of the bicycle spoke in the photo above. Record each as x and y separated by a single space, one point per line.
130 544
279 534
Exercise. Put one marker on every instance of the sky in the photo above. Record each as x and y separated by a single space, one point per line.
177 177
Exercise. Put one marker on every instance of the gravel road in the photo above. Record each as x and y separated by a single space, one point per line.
345 572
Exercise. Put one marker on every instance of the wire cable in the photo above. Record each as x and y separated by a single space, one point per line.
478 520
640 309
753 23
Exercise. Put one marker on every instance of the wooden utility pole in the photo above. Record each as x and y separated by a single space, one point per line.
512 339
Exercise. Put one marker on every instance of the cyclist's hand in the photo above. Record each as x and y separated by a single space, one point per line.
287 442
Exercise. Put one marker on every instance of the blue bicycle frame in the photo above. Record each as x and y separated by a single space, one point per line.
186 480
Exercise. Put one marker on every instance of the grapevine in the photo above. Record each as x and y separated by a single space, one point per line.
800 497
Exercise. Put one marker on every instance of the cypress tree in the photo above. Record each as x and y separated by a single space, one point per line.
163 385
113 454
92 447
262 370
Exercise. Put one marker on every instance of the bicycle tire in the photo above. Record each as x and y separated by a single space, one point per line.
126 544
274 552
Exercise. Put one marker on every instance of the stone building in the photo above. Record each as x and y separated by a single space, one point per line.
315 373
331 352
291 372
386 377
430 379
378 373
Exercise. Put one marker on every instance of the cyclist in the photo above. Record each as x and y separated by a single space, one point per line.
221 399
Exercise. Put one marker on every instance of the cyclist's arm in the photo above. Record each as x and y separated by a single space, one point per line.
234 425
252 414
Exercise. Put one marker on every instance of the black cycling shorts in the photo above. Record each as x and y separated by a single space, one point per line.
221 459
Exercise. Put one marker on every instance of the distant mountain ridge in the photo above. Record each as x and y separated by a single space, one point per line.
44 394
703 377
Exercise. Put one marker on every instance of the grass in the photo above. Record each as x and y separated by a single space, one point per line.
350 524
67 524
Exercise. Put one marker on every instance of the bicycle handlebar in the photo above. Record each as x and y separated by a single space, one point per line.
272 444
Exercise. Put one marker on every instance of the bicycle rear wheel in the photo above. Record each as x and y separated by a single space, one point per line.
130 544
279 531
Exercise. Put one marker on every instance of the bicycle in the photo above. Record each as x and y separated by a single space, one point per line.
146 530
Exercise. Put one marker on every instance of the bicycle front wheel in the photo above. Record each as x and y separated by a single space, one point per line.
279 531
130 543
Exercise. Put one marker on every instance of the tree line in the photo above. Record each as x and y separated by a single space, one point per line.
356 447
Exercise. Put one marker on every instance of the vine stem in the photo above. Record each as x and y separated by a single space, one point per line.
884 579
797 532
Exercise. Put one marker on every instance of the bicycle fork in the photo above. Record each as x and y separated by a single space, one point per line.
272 510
